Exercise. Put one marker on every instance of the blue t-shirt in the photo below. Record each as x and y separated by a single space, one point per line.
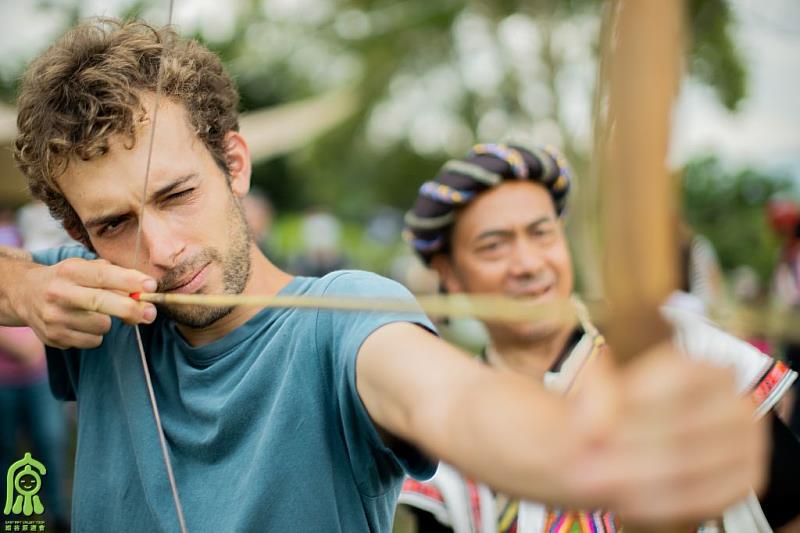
265 428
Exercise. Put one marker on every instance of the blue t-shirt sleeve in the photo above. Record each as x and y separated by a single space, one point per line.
62 365
51 256
345 332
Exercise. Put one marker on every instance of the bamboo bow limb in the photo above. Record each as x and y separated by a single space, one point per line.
483 307
641 74
641 64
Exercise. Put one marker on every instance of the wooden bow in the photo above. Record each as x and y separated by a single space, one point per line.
639 75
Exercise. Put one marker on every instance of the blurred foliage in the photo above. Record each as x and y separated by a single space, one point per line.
361 251
714 58
433 78
728 207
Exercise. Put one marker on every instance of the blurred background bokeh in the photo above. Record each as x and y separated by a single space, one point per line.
349 105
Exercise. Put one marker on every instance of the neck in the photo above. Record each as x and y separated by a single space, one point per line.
531 357
265 279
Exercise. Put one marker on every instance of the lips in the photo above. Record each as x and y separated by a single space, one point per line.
533 292
192 283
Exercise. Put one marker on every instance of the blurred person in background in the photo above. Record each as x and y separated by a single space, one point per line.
700 282
259 215
492 222
321 237
38 229
29 413
784 218
747 290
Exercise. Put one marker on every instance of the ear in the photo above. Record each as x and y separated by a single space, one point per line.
443 264
237 156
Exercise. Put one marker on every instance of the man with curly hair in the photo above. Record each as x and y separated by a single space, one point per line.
287 419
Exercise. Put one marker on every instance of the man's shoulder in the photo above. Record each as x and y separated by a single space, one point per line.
361 283
51 256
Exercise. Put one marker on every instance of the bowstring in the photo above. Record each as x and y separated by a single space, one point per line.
149 382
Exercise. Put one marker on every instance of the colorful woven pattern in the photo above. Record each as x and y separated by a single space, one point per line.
581 522
771 383
507 154
445 193
459 181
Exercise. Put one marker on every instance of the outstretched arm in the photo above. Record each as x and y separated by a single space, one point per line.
664 439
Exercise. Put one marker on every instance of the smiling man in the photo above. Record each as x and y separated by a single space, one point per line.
492 223
286 419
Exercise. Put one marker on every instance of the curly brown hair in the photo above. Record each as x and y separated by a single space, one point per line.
87 87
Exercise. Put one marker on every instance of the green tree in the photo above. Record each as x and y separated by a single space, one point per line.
728 207
431 78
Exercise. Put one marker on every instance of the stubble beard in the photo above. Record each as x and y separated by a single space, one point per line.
236 269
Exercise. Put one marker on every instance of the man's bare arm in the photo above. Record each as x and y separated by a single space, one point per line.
668 439
13 263
14 253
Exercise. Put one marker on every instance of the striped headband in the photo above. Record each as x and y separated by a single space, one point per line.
460 180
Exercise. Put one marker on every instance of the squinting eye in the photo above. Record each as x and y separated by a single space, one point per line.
489 247
544 231
110 228
179 195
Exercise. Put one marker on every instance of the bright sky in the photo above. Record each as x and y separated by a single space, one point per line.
766 130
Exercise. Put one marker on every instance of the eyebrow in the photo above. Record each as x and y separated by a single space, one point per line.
506 233
163 191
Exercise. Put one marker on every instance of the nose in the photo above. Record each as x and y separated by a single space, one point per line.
161 247
526 258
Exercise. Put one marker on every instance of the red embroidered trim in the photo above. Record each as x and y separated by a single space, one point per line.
424 489
767 384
